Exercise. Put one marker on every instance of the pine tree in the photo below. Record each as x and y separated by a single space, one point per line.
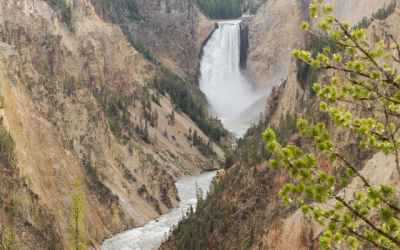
155 113
165 133
172 117
125 110
141 124
77 231
2 103
195 139
146 133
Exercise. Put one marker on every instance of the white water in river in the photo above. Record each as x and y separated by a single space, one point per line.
146 237
227 89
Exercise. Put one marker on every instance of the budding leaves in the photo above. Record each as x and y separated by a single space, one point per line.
304 26
363 78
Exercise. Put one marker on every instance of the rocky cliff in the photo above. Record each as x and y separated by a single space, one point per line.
57 59
274 32
174 31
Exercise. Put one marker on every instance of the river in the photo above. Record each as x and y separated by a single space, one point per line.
229 92
152 233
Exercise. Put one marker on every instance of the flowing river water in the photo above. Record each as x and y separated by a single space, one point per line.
152 233
229 94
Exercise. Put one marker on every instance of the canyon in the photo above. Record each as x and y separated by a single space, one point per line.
76 79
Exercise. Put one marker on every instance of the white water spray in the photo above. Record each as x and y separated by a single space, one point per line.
226 88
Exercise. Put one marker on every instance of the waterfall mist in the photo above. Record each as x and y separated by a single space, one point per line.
227 89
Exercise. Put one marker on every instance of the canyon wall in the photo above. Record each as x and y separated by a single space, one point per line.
274 32
54 64
174 31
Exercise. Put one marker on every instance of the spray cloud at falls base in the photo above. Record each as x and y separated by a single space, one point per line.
228 91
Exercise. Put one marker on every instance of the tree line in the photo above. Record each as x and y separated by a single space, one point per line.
380 14
219 9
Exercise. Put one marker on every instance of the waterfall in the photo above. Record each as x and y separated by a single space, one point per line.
227 89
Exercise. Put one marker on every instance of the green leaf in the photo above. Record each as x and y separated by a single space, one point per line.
286 199
269 135
337 57
386 191
375 75
313 10
304 26
305 209
346 220
365 212
316 87
328 234
315 64
329 8
286 188
309 160
335 80
274 164
302 124
352 241
359 196
322 177
346 25
350 172
338 237
331 181
385 215
323 106
296 54
324 242
363 146
326 50
373 193
343 182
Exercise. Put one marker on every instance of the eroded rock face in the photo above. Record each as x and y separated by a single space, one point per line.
50 77
354 11
174 31
274 32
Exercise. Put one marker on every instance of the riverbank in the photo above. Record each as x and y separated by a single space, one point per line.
152 233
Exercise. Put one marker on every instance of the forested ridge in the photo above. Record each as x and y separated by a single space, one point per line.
380 14
226 9
219 9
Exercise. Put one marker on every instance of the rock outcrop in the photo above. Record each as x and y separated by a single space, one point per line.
274 32
174 31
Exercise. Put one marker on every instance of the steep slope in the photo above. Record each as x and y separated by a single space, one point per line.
56 63
274 32
174 31
244 211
